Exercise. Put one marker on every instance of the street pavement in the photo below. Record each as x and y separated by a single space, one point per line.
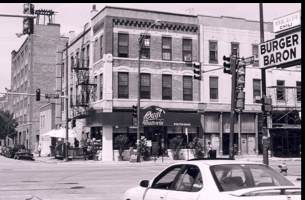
295 179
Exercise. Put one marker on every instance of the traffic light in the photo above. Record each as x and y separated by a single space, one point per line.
28 23
266 104
240 74
197 71
240 100
135 110
227 65
37 94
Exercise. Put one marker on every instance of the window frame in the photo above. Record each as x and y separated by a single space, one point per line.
145 50
166 50
232 46
214 88
164 88
142 96
187 52
215 60
101 86
255 90
185 89
120 87
280 90
124 55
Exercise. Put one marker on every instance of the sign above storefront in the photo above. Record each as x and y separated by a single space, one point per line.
153 116
283 50
287 22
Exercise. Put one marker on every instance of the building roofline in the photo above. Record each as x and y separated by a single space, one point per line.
143 10
222 16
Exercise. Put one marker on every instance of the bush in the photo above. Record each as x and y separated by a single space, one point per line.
175 144
121 142
197 148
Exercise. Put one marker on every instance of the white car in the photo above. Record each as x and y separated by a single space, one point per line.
221 179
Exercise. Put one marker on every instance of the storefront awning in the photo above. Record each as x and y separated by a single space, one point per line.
154 117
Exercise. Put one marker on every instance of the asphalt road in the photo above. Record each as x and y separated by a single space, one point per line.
32 180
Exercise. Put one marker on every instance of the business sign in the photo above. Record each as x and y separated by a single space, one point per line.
287 22
280 50
154 116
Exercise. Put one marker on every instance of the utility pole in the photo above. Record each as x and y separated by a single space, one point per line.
233 93
263 75
67 128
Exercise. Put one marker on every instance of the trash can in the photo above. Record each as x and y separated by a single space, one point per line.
212 153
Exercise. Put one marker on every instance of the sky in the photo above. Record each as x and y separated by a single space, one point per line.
73 16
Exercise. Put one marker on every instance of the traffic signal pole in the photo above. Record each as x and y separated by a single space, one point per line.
233 93
263 76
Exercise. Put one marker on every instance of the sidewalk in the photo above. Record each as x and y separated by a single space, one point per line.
252 158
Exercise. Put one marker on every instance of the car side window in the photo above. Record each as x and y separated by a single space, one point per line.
166 178
190 180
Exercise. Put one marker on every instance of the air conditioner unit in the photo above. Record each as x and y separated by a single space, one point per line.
187 58
257 99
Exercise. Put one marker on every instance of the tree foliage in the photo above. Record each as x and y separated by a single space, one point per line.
7 124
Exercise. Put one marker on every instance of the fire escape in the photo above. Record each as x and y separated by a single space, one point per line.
286 120
286 103
84 89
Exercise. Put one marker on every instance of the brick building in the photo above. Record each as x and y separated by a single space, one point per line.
33 67
106 56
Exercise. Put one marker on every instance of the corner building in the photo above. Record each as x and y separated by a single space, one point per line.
167 82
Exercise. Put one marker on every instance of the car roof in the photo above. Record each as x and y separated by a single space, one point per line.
211 162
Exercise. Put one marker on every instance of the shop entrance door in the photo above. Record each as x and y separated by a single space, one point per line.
226 142
157 136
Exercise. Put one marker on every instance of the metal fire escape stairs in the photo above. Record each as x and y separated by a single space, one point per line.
285 103
84 89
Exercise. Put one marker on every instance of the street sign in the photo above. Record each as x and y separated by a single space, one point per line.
283 50
50 96
249 60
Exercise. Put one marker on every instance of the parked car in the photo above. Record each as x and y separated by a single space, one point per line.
24 154
10 152
216 179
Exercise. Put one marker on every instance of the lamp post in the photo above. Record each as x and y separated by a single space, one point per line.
141 42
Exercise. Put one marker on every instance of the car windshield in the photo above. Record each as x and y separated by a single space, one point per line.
239 176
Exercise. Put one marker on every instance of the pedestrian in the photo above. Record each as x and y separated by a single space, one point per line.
76 143
300 150
209 148
39 149
85 152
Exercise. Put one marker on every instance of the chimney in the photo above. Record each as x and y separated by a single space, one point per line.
71 35
93 11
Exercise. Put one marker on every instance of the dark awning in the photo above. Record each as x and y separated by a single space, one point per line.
146 119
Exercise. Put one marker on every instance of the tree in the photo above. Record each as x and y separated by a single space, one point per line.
7 124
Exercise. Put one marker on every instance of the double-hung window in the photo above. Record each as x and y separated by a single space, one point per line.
101 86
187 50
123 45
213 51
256 89
145 86
145 48
123 85
280 91
166 87
235 47
187 88
166 48
213 87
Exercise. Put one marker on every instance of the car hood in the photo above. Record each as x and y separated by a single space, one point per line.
283 190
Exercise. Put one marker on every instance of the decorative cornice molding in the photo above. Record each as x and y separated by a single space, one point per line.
170 26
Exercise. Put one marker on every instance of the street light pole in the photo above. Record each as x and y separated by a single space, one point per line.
141 41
